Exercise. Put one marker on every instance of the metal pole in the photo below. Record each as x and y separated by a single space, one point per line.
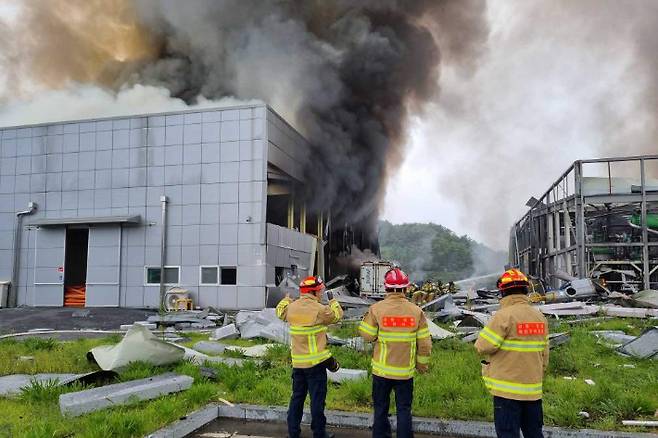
163 250
12 299
645 233
580 220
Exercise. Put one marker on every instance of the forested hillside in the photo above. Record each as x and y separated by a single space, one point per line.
433 251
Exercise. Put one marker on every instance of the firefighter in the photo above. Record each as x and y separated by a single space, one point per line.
308 320
403 345
515 343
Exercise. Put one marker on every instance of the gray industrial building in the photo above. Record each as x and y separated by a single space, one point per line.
81 204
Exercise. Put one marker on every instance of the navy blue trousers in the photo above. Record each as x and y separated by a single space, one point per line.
513 416
314 382
381 397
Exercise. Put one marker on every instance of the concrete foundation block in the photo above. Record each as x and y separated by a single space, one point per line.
345 374
82 402
227 332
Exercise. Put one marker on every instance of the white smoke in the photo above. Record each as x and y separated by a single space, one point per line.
87 101
559 81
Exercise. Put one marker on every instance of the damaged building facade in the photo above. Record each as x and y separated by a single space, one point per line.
90 210
598 220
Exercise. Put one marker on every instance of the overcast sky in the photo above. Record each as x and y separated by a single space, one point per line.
557 81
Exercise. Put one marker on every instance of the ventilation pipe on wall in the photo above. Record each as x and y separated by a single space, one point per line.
12 299
163 251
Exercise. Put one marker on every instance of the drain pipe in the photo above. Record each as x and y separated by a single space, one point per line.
12 300
163 249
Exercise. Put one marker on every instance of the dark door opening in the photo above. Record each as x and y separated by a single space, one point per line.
75 267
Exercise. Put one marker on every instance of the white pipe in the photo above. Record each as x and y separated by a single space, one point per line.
12 300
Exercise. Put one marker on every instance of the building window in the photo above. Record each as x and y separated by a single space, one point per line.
229 275
171 275
209 275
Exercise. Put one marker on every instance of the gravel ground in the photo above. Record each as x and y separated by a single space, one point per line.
22 319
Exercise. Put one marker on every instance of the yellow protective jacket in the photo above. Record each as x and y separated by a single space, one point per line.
403 338
308 320
516 343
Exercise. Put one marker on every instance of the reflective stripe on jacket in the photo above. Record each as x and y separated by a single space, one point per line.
403 342
516 341
308 320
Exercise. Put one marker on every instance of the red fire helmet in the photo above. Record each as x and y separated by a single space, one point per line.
396 279
512 278
311 284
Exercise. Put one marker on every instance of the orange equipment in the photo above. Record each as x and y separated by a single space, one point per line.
74 296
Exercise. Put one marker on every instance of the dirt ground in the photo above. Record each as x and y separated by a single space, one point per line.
22 319
225 428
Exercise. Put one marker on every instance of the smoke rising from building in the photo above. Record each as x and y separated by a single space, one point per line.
559 81
347 74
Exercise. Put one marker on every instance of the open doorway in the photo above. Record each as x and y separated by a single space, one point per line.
75 267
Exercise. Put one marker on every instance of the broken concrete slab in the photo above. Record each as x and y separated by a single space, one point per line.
138 345
616 337
628 312
555 339
81 402
647 298
644 346
148 325
12 384
227 332
345 374
255 351
437 332
209 347
568 309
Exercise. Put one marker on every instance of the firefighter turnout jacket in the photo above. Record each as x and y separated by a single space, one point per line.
403 342
516 343
308 320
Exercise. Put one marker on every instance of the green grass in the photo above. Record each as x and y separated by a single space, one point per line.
452 388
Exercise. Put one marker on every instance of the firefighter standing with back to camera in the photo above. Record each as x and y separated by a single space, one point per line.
403 346
308 320
516 344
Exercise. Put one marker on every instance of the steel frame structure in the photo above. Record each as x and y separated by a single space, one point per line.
562 230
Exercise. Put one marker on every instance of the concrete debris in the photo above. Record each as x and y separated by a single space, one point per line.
146 324
647 298
615 337
437 332
555 339
209 373
644 346
26 358
262 324
627 312
209 347
227 332
345 374
81 314
199 319
138 345
90 400
12 384
439 303
583 414
473 319
256 351
590 382
568 309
